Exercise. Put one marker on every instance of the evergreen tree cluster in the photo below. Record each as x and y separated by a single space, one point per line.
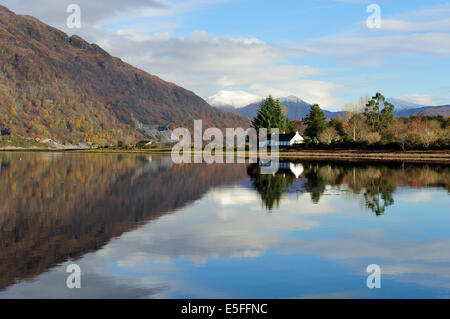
271 115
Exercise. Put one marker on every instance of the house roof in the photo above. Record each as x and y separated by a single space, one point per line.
284 137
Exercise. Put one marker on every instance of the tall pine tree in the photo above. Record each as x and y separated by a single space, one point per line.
316 122
270 115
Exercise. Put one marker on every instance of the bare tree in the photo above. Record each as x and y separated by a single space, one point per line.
401 134
428 137
372 137
328 135
356 127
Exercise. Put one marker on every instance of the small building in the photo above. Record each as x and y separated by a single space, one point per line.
4 131
283 140
145 143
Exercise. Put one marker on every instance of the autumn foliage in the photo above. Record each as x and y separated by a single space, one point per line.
61 87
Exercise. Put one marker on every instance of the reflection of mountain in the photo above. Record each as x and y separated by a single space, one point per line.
376 182
57 207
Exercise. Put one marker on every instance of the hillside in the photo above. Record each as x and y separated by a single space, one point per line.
403 105
443 110
61 87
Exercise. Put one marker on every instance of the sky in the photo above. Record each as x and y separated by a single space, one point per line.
235 52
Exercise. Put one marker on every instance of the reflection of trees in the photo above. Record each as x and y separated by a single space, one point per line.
59 206
270 187
376 182
315 184
378 196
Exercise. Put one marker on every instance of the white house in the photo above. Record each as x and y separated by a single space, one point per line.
283 140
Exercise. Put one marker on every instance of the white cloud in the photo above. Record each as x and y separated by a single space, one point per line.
236 99
408 26
311 91
413 33
92 12
425 99
230 71
373 51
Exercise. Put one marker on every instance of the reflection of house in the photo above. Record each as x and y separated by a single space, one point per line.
283 140
292 168
284 168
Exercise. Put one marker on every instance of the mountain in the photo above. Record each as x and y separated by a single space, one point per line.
61 87
443 110
405 108
403 105
296 108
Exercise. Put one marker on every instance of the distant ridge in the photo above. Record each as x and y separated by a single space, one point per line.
443 110
297 109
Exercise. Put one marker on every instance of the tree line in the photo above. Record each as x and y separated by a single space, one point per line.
369 123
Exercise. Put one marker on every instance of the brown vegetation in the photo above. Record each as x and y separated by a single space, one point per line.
55 206
61 87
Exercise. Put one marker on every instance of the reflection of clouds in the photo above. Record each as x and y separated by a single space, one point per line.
424 263
209 231
401 269
422 274
419 196
205 231
337 295
234 196
377 244
53 285
231 223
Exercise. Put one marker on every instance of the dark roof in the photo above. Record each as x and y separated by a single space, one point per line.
283 137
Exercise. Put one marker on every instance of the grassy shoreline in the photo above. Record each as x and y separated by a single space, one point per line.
338 155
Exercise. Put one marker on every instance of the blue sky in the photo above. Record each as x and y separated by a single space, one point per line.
235 52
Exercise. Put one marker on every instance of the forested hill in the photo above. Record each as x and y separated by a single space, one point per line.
61 87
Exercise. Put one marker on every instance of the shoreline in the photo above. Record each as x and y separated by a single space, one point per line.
379 155
337 155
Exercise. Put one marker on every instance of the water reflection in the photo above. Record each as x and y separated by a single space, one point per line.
59 206
140 226
374 181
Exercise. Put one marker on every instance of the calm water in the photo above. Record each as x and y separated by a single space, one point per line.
141 227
